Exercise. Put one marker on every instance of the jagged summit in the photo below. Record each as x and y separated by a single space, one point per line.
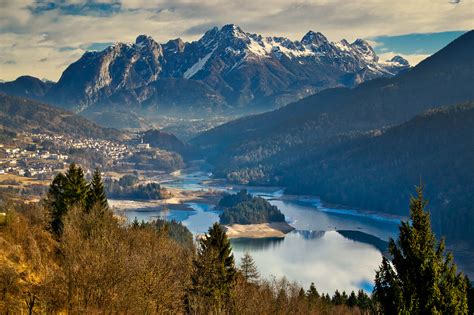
174 45
400 60
144 40
361 43
231 28
365 50
313 38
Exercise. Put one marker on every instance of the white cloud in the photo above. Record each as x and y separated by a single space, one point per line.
165 19
14 14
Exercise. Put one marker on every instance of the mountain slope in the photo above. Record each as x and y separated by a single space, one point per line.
226 71
379 171
19 114
26 86
442 79
164 141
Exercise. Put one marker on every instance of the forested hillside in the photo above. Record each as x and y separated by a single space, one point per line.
243 208
165 141
21 114
378 172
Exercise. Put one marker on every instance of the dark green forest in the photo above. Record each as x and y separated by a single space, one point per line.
242 208
129 188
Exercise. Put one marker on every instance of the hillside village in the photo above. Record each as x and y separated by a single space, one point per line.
39 156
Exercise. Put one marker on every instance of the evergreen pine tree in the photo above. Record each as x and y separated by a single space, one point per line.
337 298
76 186
248 268
312 295
214 274
56 203
96 196
387 289
352 300
470 295
423 279
363 300
301 294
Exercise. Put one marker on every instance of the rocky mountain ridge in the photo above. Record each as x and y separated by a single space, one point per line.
226 70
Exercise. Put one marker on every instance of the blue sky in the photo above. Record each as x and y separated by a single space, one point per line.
414 47
42 37
427 43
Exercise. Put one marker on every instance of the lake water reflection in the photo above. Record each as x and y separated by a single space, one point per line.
328 259
314 252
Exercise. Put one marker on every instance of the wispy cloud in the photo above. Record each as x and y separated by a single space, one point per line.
62 30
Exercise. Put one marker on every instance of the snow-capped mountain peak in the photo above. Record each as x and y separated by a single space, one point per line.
365 50
227 65
314 38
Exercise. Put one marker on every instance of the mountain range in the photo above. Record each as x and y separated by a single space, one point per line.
226 71
368 146
444 78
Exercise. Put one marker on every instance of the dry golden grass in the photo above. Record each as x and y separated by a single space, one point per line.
21 180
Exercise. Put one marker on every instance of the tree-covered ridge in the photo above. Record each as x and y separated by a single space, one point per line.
129 188
174 229
242 208
165 141
18 114
378 171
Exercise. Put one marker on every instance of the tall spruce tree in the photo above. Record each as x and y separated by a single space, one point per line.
96 196
76 186
312 292
214 274
64 192
470 295
312 296
248 268
56 203
422 278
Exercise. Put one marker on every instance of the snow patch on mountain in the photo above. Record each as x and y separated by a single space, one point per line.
197 66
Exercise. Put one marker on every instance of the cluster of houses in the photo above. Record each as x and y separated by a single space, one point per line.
113 150
31 163
30 158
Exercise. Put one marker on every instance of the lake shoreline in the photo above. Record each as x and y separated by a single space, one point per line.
179 200
261 230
